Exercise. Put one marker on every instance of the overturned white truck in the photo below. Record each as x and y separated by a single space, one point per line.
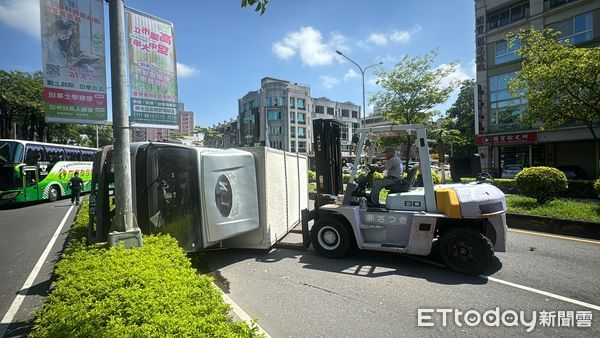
203 197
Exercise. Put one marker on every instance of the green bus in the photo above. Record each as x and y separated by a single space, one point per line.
34 171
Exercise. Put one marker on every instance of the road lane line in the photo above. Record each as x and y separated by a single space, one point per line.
548 294
239 311
543 234
518 286
16 304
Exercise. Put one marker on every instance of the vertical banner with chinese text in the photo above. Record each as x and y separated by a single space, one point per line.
152 71
73 61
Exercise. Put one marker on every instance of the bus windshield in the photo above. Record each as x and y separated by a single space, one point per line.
10 152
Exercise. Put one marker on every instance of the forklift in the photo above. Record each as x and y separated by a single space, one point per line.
466 222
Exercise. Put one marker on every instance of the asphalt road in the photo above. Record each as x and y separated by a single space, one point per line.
297 293
25 232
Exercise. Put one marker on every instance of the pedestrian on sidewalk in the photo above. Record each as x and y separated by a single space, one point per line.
75 184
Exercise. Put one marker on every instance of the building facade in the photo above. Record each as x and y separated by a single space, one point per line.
280 115
501 140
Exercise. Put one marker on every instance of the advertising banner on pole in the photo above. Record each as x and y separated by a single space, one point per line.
152 71
73 61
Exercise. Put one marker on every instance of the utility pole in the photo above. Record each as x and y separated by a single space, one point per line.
123 219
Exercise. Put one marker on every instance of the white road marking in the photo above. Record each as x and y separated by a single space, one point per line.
543 234
518 286
239 311
547 294
16 304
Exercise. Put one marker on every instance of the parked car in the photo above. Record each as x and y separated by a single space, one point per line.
573 172
511 170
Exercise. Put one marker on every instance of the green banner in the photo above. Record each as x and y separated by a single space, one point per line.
152 71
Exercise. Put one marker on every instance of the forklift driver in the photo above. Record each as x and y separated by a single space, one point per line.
393 165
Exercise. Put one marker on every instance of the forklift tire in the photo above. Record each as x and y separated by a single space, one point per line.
330 237
466 250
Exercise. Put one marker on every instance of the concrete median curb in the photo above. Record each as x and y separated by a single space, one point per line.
554 226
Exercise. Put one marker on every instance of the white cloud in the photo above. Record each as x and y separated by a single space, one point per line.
459 74
329 81
378 39
373 81
184 70
23 15
473 67
308 43
350 74
405 36
382 39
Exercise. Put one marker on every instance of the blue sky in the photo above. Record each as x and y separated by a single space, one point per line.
223 50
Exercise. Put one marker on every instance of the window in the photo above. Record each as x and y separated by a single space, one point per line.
504 108
301 104
344 132
319 110
293 148
274 115
555 3
293 132
292 102
274 101
576 29
330 111
275 130
301 119
88 155
355 114
54 154
34 154
292 117
301 146
354 126
509 15
301 132
504 53
345 113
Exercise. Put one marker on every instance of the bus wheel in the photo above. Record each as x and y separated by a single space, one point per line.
53 193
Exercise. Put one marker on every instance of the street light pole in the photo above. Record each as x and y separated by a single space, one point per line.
362 72
123 220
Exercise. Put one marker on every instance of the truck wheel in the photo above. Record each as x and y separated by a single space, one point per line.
53 194
466 250
330 238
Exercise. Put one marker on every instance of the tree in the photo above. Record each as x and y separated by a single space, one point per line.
560 82
461 117
261 5
210 136
411 90
21 102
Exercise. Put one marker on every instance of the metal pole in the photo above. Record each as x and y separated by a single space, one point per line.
97 137
362 72
123 217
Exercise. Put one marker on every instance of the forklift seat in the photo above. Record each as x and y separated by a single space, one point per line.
404 185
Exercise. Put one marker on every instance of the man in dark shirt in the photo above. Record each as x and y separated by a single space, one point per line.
75 184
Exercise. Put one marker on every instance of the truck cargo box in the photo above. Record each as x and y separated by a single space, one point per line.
282 179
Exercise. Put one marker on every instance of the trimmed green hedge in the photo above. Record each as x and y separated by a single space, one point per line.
147 291
575 189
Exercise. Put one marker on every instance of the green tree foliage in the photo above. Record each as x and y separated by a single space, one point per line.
261 5
460 117
559 81
210 136
411 90
21 103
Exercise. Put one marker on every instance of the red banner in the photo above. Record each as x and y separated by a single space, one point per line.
507 139
64 96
